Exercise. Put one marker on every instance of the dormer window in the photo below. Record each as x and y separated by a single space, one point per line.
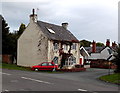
51 30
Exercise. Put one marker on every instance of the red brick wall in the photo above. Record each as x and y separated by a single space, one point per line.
6 58
102 64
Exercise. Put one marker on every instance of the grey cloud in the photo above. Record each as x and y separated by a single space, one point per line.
85 22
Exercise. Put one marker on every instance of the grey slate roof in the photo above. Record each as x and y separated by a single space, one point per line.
98 49
61 34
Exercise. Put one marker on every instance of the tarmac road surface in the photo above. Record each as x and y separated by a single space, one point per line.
16 80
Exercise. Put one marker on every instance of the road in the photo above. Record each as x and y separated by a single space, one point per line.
16 80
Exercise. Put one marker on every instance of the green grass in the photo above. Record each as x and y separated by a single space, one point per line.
113 78
15 67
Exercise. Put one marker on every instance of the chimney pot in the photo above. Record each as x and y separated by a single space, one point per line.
108 42
65 25
33 11
33 16
93 46
113 44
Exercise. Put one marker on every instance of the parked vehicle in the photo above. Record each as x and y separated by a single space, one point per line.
48 66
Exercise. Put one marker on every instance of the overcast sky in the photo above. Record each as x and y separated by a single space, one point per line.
88 19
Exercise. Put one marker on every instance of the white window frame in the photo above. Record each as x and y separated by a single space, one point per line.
65 47
55 46
74 46
70 61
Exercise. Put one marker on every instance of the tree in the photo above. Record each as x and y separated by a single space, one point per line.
85 43
16 36
21 29
117 59
5 37
99 44
9 40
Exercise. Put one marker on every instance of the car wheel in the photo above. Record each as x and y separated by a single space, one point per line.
36 69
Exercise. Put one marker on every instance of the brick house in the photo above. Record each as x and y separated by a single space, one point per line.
46 42
101 56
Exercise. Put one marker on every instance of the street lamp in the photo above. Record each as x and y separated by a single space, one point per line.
109 68
109 63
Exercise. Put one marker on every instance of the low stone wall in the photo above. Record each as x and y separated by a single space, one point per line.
103 66
73 70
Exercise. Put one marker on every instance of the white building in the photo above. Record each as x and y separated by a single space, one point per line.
43 42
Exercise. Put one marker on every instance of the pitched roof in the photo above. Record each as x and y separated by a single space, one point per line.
102 55
60 33
84 52
98 49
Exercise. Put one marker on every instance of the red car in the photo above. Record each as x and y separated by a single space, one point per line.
45 66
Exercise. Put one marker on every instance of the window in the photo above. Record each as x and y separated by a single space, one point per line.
51 31
74 46
70 61
65 47
44 64
49 64
56 46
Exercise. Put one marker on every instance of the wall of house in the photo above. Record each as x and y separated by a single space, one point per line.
32 46
52 53
76 53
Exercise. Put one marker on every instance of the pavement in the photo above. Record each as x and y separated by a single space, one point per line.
87 81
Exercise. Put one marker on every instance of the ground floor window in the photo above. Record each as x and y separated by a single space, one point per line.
70 60
55 60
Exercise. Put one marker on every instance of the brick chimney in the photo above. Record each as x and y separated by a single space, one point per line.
93 46
108 42
114 44
65 25
33 16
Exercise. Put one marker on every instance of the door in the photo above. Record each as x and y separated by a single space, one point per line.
51 66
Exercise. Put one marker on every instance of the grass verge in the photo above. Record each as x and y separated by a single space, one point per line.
113 78
15 67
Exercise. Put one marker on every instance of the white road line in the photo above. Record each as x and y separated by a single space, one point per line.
6 90
4 73
36 80
82 90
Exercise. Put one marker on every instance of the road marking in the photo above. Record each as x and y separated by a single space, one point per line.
6 90
14 81
82 90
4 73
36 80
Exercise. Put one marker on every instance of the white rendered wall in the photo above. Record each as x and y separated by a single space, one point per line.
28 49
